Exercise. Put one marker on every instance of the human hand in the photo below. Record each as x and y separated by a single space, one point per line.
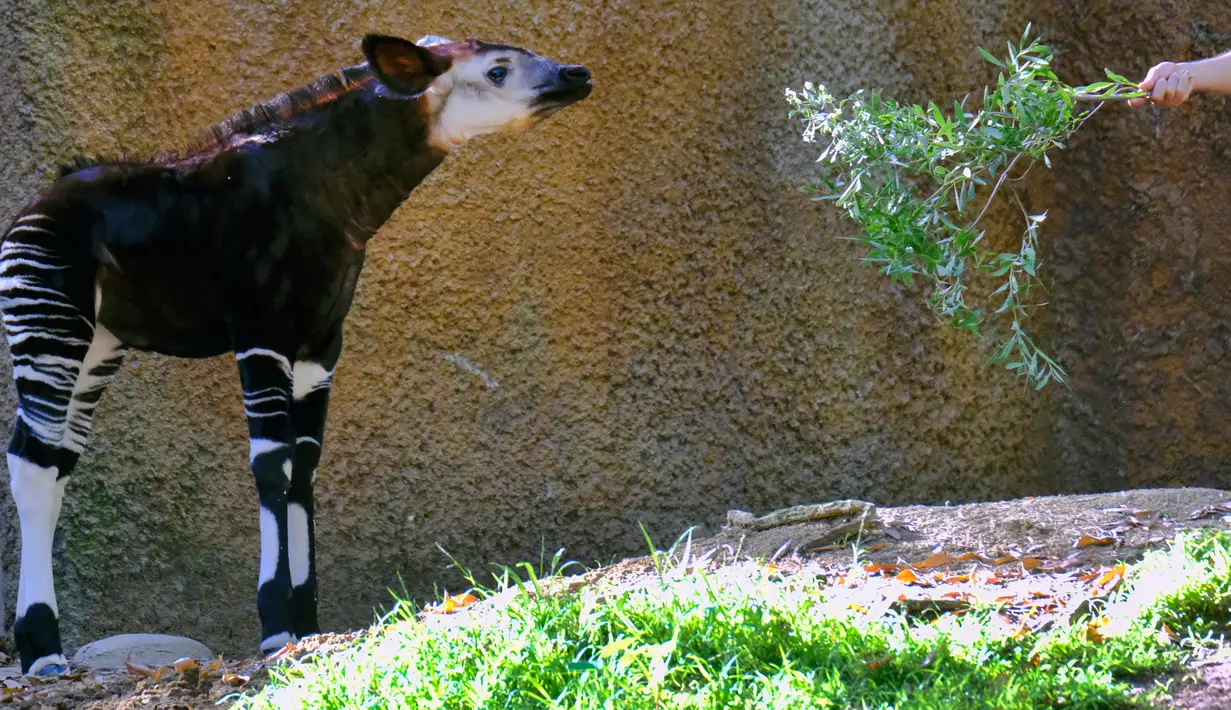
1169 85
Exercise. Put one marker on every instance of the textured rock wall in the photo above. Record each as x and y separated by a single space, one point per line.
669 329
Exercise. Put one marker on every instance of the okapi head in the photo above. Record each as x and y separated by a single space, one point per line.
472 88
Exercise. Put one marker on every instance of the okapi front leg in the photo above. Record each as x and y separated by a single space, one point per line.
312 377
266 378
308 412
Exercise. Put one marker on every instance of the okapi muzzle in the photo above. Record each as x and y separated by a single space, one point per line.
250 241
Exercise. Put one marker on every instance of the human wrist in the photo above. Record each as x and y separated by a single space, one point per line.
1199 71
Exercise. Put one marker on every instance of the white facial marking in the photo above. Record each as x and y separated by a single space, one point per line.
32 218
269 546
309 377
308 440
37 496
297 542
287 468
465 103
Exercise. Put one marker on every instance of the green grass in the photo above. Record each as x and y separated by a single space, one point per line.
692 641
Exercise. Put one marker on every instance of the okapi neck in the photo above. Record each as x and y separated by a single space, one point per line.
381 156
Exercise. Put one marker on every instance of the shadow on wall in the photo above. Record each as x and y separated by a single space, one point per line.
674 330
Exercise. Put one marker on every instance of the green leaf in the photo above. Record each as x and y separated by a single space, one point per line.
617 647
988 56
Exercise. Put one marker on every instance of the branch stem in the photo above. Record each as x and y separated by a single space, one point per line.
995 189
1097 98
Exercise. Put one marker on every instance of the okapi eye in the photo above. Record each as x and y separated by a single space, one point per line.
497 75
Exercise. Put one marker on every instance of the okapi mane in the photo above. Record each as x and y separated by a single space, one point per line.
283 107
265 117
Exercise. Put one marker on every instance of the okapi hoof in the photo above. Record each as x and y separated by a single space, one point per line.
37 633
274 645
49 666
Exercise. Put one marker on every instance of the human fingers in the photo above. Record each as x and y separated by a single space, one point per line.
1187 82
1159 94
1177 91
1157 73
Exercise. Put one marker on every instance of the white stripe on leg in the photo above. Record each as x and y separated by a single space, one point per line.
91 377
37 495
309 377
297 542
269 546
259 447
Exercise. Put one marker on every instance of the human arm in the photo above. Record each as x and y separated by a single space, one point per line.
1171 83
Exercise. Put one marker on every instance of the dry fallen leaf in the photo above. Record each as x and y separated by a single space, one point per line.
183 665
1208 511
1093 633
876 548
1031 563
452 604
138 670
1091 541
906 576
235 680
939 559
1110 580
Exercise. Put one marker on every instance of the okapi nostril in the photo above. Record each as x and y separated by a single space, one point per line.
575 74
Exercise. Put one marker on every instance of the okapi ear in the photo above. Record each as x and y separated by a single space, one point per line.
403 66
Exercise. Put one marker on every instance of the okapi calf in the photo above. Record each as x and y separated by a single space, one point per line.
252 243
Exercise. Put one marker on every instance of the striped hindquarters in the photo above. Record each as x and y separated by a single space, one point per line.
48 334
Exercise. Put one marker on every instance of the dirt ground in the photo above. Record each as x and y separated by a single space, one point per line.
1047 557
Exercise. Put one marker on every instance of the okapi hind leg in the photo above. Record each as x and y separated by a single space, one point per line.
265 375
39 472
45 299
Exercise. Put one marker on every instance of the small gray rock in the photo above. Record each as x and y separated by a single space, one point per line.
152 650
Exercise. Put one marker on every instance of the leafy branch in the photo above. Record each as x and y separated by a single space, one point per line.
910 176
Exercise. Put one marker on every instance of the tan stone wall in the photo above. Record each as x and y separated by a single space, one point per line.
675 330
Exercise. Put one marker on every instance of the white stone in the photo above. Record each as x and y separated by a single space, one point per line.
152 650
